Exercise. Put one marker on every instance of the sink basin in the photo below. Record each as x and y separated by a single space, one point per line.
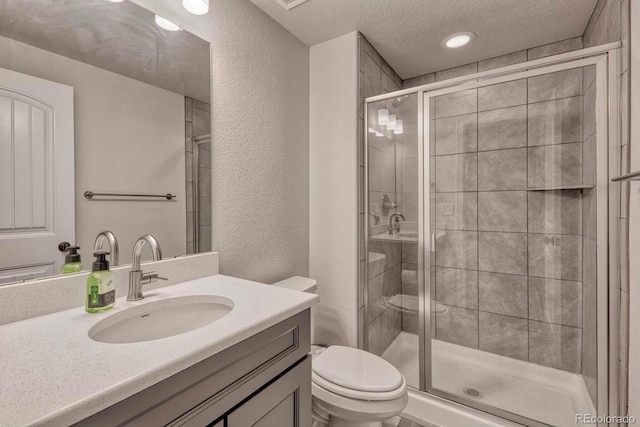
408 233
161 319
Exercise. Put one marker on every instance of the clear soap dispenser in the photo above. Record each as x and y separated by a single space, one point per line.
101 285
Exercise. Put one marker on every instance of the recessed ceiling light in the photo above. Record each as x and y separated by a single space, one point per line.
166 24
197 7
458 39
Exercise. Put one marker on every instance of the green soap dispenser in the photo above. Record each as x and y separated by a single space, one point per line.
72 261
101 285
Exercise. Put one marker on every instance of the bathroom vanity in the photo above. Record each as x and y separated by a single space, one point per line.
264 380
248 367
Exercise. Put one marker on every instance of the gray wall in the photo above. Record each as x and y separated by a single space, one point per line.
260 138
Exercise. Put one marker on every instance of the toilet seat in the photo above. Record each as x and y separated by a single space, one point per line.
357 374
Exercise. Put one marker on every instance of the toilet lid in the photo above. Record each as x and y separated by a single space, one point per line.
356 370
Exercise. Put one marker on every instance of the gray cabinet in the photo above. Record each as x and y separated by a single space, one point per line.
263 381
284 403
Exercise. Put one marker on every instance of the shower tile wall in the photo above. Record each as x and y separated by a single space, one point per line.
198 123
508 264
376 77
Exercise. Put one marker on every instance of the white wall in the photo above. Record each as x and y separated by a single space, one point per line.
333 249
260 133
129 137
634 220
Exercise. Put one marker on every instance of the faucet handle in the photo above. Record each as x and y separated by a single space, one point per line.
151 277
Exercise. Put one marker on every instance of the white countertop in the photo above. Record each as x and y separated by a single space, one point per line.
52 373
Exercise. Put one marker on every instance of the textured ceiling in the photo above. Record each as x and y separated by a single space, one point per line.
408 33
119 37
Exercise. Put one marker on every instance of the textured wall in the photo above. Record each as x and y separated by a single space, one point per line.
260 133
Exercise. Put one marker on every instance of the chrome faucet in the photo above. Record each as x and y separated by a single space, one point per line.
394 227
110 238
136 277
376 217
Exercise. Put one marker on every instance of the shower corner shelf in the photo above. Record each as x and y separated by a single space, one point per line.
562 187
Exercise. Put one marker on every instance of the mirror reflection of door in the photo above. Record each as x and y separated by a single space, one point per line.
36 175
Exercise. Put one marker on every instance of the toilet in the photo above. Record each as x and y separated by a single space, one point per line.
350 387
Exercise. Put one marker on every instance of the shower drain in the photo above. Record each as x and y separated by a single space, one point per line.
472 392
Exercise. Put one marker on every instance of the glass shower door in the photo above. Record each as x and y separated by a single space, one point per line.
511 180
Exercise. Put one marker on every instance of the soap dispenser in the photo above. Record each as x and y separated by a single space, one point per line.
101 285
72 261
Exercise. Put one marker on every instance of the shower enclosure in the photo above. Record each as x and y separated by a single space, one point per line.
488 230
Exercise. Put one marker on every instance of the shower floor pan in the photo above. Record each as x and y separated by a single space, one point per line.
545 394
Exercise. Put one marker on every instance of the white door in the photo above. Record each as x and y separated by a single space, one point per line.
37 205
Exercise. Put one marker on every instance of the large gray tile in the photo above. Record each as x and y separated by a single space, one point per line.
410 323
503 252
502 211
555 346
502 128
589 156
555 122
462 70
503 294
375 336
457 134
504 335
503 61
457 249
371 77
391 250
457 103
410 253
374 297
561 84
558 212
456 211
502 95
458 325
589 207
457 172
457 287
419 81
589 341
555 48
555 301
205 238
201 122
502 170
555 165
555 256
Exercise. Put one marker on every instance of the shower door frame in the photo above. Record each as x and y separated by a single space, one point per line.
605 59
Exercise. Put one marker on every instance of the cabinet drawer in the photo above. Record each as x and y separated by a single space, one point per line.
284 403
221 381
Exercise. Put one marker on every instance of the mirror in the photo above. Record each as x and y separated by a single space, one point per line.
103 114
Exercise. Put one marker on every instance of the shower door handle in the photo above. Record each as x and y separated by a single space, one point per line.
433 243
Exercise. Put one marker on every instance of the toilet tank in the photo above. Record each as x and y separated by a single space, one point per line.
299 283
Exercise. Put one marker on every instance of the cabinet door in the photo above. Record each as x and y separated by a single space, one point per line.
284 403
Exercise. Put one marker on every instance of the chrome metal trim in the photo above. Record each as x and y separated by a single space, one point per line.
529 65
608 256
424 321
365 200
